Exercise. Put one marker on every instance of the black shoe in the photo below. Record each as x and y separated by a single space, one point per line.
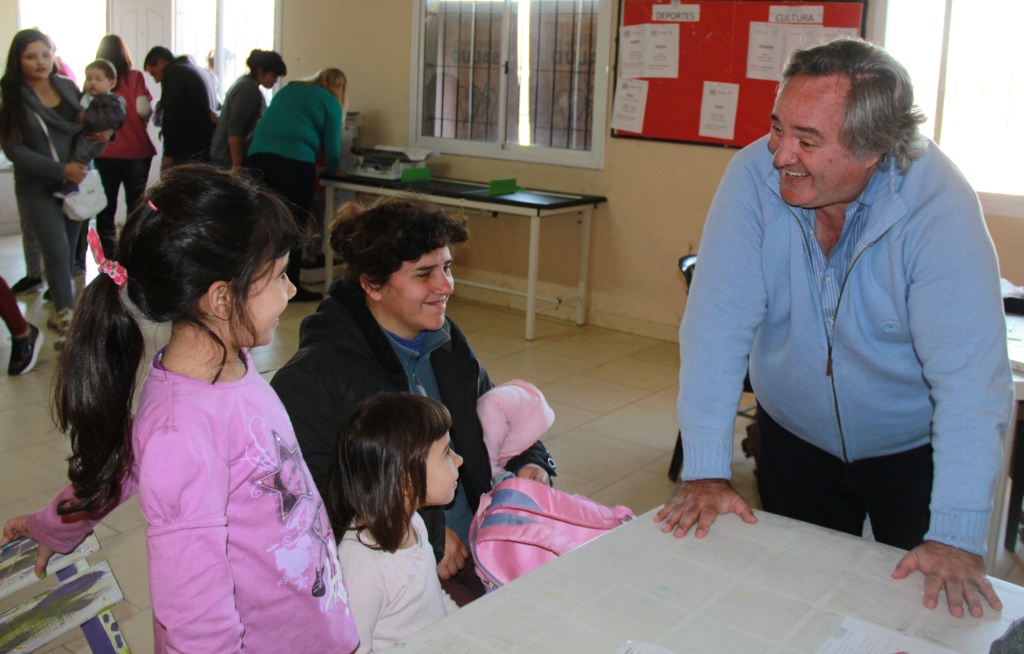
306 295
25 351
27 285
46 296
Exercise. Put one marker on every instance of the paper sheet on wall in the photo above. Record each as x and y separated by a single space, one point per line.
630 105
661 57
718 110
764 56
857 637
770 44
649 51
632 42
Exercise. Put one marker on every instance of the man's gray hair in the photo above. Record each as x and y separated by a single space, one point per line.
880 116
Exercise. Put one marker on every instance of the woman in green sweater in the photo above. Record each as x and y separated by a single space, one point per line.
303 120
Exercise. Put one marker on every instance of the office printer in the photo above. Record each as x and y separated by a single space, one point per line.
387 161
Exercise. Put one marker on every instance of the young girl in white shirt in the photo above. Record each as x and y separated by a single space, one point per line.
393 457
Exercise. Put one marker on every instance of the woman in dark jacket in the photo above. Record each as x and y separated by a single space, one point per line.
382 328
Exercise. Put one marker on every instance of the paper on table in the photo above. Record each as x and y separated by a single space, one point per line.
640 647
630 105
718 110
857 637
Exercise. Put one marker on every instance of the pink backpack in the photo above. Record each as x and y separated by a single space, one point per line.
522 524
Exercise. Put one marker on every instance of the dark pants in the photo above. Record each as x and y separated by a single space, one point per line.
10 312
800 481
133 173
295 182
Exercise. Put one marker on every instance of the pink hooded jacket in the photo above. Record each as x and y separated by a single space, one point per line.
514 416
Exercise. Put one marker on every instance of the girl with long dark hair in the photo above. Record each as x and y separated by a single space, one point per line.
241 553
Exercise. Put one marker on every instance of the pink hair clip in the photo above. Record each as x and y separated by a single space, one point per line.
151 205
107 266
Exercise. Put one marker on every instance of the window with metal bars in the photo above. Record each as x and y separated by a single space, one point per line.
515 79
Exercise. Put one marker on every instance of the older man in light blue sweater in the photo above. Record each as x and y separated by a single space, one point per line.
846 261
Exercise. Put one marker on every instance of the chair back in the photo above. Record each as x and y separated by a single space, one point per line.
686 265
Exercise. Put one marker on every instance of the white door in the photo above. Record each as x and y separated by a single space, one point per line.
143 24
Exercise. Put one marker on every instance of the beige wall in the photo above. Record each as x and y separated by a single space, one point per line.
1008 235
658 193
8 24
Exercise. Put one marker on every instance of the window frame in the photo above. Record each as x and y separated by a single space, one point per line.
592 159
220 72
992 204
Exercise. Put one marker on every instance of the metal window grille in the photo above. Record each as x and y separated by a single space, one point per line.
550 72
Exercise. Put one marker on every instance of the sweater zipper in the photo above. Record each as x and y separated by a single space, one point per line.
842 289
828 366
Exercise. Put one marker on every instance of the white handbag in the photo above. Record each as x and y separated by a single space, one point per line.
90 199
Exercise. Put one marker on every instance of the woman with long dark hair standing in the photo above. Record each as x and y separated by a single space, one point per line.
126 161
38 123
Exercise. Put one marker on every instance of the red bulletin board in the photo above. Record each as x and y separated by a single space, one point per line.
714 49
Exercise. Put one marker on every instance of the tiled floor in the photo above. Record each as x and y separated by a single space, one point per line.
613 395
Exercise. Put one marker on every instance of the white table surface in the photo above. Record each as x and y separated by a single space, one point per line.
778 586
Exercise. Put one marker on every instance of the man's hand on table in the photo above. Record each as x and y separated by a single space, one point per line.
960 573
700 502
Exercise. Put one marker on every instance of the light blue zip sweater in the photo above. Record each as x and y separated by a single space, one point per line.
919 341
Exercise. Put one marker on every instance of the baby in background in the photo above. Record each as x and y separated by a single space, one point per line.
514 416
394 457
101 110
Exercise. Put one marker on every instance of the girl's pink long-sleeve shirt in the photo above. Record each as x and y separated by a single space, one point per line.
241 552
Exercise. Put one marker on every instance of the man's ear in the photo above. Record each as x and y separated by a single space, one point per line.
372 291
218 300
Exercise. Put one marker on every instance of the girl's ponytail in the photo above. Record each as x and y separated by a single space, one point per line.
95 386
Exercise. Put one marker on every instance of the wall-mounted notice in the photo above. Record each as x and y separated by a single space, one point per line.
676 13
662 54
632 43
630 105
771 43
712 77
812 14
649 51
718 110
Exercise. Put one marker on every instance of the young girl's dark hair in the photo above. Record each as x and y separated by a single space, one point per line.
197 226
267 60
13 118
113 48
378 474
375 240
